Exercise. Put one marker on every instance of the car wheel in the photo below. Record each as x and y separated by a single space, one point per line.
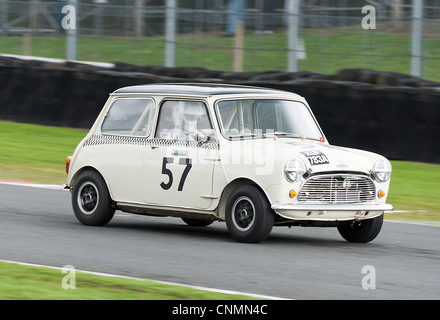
248 215
362 231
197 222
91 200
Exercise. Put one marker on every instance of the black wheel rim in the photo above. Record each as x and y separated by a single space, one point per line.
88 197
243 213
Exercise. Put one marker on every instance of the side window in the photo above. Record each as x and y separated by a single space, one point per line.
129 117
182 120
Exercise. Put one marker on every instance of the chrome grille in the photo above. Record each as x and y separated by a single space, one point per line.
338 188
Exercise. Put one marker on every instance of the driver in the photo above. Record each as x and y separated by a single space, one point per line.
191 114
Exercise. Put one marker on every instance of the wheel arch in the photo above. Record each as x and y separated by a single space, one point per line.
85 169
230 187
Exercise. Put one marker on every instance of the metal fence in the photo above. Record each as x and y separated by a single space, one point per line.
320 36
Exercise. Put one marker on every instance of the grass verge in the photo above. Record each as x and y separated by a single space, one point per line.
37 153
23 282
414 188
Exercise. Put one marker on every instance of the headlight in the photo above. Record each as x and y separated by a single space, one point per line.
382 170
294 170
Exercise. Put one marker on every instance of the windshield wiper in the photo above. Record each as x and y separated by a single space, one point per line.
244 135
271 134
284 134
296 135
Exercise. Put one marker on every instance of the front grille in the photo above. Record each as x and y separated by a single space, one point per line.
338 188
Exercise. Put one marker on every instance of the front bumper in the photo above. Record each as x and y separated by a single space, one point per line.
330 212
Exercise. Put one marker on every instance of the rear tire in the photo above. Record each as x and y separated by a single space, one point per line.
362 231
91 200
249 217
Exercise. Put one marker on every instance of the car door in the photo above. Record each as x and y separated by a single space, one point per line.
178 165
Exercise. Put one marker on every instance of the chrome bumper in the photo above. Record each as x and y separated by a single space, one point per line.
334 207
331 212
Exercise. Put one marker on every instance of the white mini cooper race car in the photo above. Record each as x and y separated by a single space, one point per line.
253 157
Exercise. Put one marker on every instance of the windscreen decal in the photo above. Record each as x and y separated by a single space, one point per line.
316 157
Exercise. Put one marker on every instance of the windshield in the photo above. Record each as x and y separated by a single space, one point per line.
264 117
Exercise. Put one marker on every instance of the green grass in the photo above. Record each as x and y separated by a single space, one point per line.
38 153
415 187
328 50
22 282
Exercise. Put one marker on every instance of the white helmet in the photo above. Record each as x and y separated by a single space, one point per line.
194 109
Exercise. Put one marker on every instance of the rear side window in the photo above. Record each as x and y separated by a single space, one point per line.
129 117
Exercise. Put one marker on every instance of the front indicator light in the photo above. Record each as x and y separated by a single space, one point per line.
381 194
292 193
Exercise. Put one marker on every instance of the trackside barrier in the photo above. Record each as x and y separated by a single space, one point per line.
393 114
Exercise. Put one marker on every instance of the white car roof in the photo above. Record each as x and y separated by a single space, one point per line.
200 89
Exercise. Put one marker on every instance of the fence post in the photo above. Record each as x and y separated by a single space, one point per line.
138 13
33 16
292 41
170 33
416 38
238 47
4 16
72 34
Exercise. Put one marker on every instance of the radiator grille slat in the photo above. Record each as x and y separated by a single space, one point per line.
339 188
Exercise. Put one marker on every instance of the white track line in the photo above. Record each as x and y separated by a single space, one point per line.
31 184
230 292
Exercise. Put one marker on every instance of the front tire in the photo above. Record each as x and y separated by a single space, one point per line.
362 231
248 215
91 200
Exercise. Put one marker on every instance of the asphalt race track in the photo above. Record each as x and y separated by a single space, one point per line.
38 226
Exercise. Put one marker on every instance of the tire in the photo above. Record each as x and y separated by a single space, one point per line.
197 222
91 200
248 215
362 231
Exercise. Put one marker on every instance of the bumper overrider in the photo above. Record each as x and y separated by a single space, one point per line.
331 212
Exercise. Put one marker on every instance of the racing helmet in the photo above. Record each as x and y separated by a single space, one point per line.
194 109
